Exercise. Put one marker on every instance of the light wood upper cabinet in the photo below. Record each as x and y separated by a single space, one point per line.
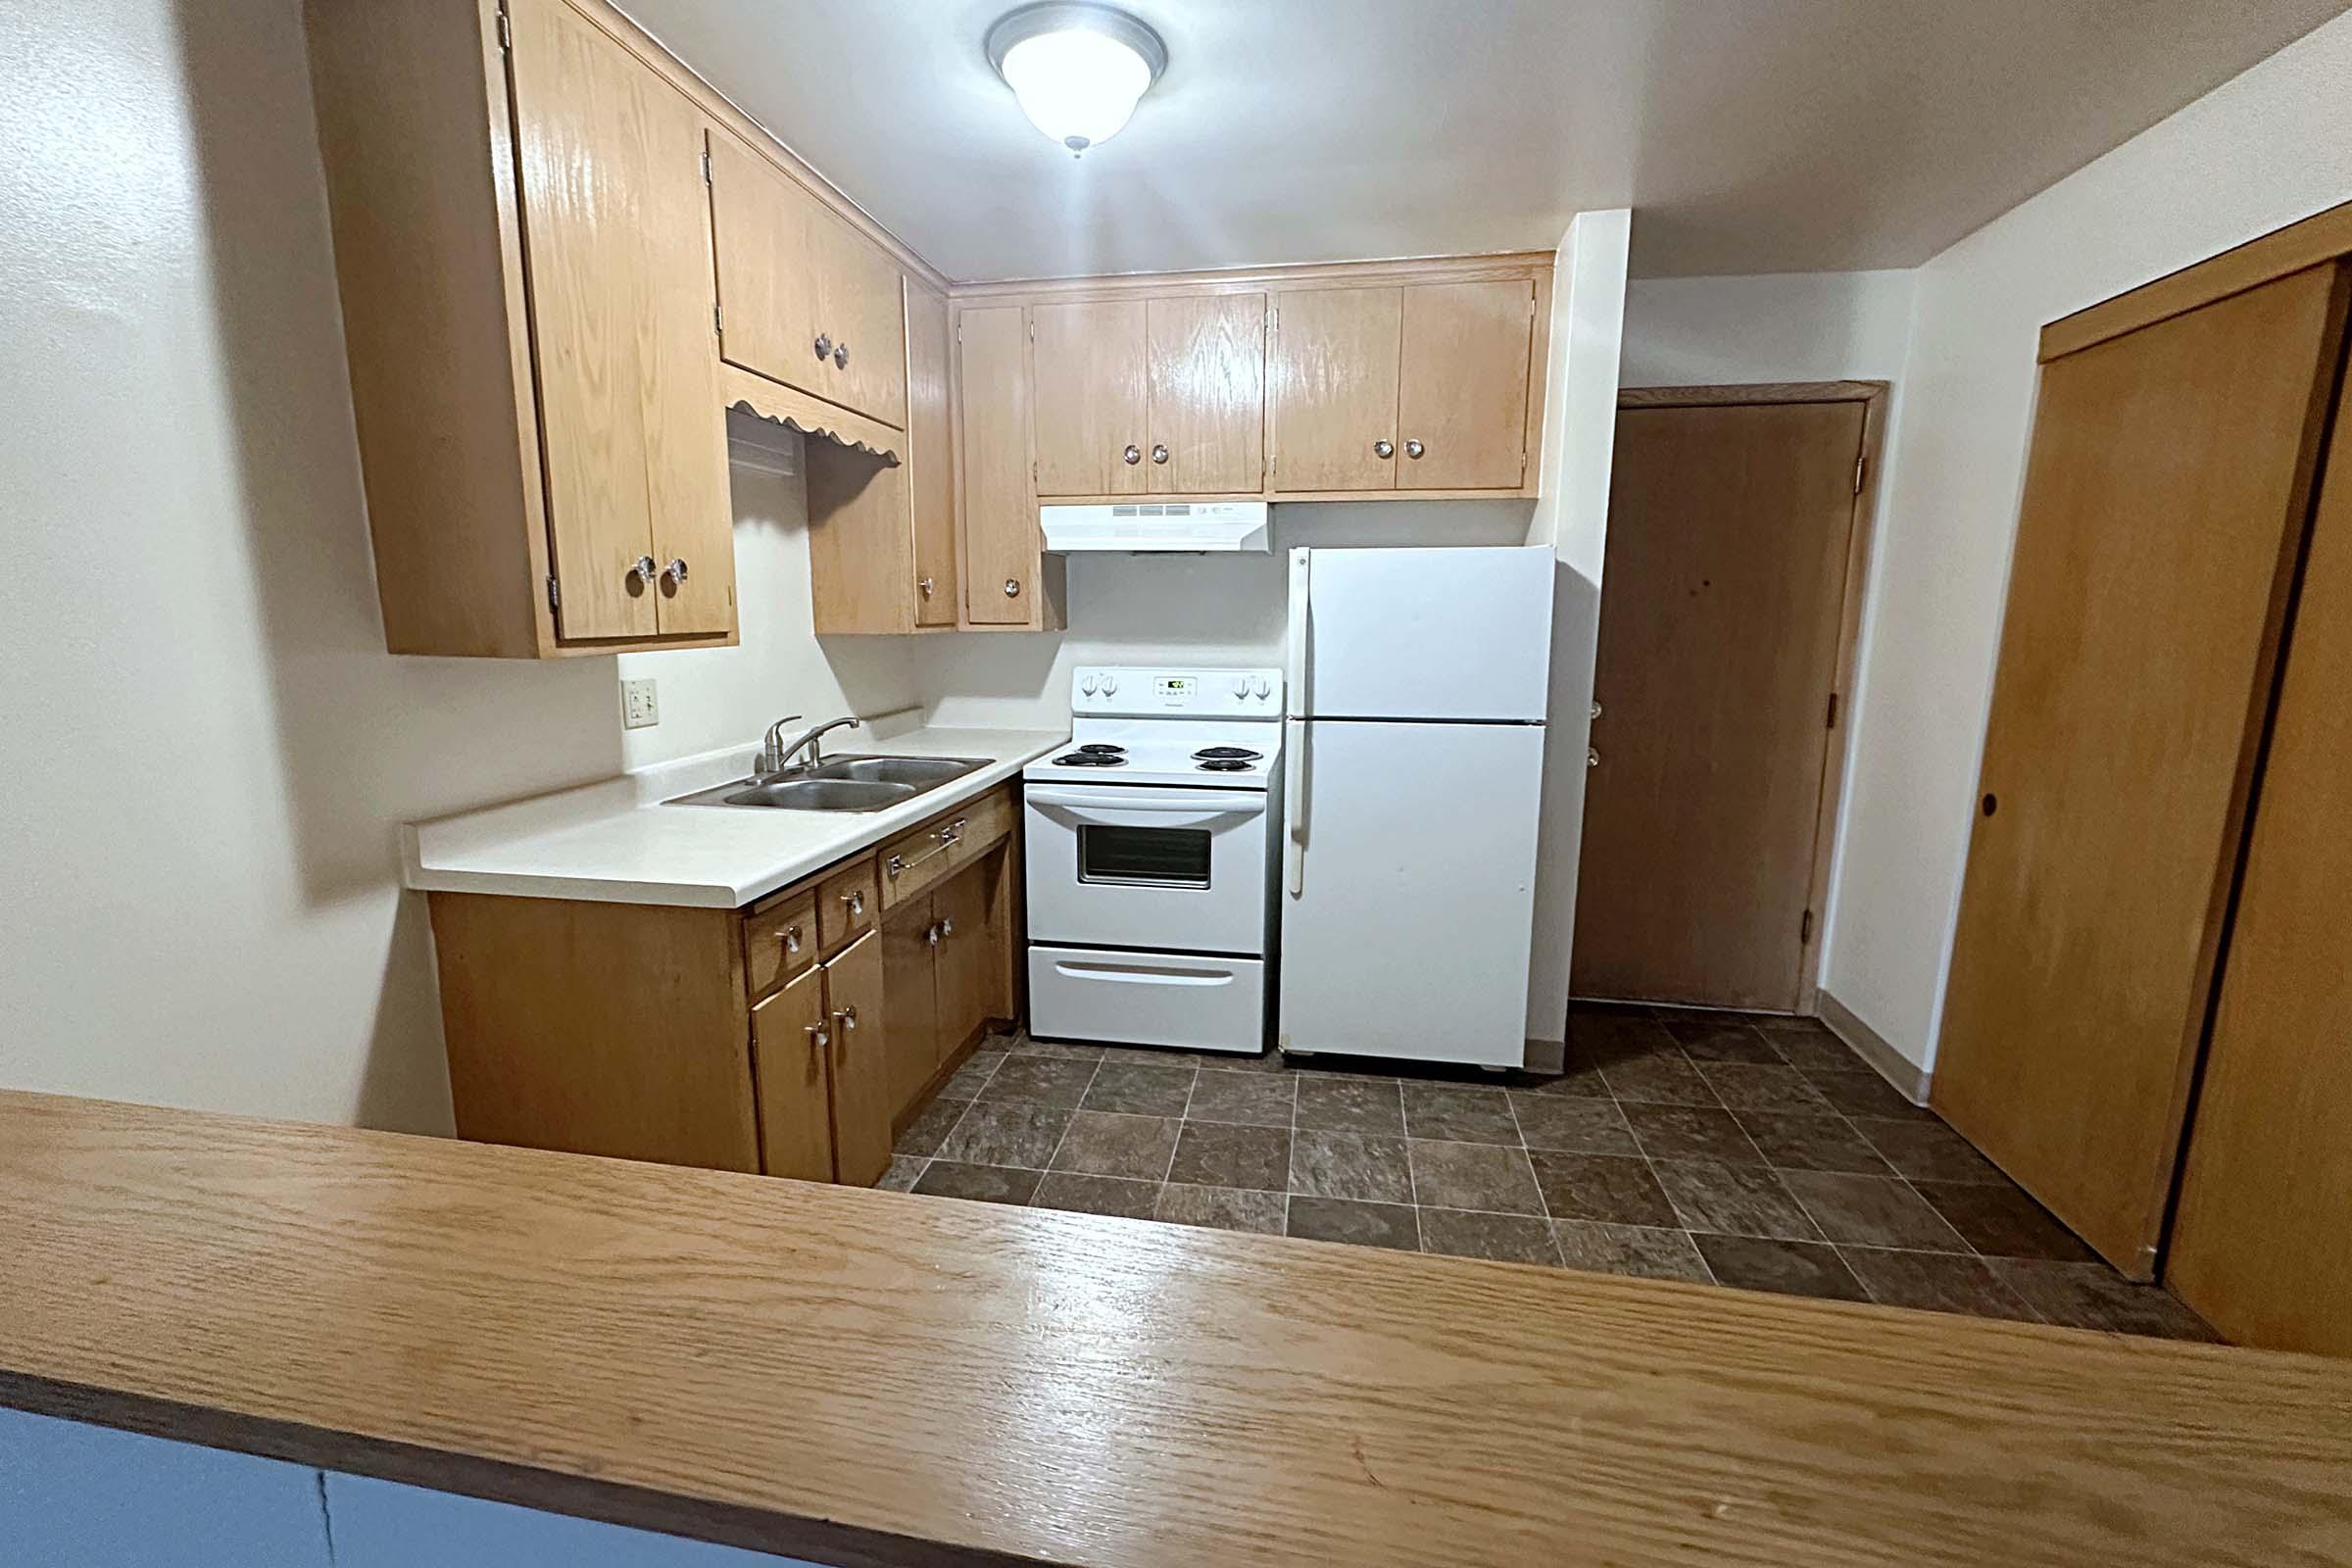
1005 572
1335 366
804 299
931 457
1461 385
1206 362
1088 377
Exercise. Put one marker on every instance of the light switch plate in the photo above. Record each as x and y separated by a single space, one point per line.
639 708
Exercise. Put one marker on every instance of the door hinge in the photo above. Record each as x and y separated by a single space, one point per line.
506 31
1805 928
1860 460
554 595
1833 721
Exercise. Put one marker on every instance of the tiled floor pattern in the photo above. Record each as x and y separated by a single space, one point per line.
1738 1150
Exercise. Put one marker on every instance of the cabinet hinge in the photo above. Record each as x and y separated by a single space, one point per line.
1833 719
1859 461
718 318
554 595
1805 928
706 165
506 31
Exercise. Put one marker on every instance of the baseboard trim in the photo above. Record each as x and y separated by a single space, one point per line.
1865 1042
1547 1056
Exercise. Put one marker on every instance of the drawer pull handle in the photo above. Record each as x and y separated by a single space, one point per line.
945 836
856 899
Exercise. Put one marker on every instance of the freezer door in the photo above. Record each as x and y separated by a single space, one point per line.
1409 903
1440 633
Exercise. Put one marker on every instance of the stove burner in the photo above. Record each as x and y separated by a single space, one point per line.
1225 764
1090 758
1103 749
1226 753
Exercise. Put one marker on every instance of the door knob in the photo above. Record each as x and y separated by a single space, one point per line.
824 346
841 356
1159 452
1384 449
1012 588
1412 449
1592 756
1132 455
1597 710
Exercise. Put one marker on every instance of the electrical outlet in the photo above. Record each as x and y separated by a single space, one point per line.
639 708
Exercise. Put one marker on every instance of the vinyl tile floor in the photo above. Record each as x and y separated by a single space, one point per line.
1728 1148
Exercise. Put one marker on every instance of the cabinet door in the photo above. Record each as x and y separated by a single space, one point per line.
971 959
2166 494
790 1038
628 401
1207 355
1002 543
1334 388
1089 397
860 1039
930 457
1462 385
791 274
909 954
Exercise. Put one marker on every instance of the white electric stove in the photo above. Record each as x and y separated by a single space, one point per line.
1152 852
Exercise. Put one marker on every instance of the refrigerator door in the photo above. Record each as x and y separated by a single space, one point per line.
1409 903
1433 633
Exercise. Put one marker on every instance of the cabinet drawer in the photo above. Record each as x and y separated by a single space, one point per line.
846 905
780 942
916 860
987 822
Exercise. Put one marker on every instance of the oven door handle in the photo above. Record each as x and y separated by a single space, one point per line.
1103 806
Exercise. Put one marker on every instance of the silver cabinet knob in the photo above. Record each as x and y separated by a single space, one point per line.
1412 449
947 928
841 357
1384 449
847 1017
1597 710
676 572
643 569
923 585
932 935
792 939
1132 455
817 1035
1159 452
856 899
1592 757
1012 588
824 346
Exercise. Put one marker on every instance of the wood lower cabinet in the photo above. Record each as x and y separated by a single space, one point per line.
791 1037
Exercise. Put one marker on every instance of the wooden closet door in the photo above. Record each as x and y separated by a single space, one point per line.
1208 357
1088 398
1334 386
2164 502
2261 1245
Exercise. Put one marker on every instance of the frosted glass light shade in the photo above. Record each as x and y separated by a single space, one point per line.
1077 70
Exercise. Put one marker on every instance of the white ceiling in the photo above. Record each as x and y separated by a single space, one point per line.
1748 135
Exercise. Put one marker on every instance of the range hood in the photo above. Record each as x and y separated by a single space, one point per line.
1197 527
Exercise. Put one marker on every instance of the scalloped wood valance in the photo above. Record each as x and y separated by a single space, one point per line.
756 395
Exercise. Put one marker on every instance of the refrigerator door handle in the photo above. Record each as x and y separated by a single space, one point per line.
1295 645
1294 797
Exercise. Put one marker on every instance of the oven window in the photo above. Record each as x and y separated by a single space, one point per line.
1163 856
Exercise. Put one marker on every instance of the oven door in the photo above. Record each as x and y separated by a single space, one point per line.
1177 870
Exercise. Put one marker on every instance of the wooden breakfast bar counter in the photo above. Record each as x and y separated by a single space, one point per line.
860 1376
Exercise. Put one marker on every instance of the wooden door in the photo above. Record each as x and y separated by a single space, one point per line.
770 238
909 964
1089 397
603 143
1334 385
1207 357
1723 597
790 1040
2165 498
2259 1245
1002 543
860 1035
858 290
930 457
970 966
1461 385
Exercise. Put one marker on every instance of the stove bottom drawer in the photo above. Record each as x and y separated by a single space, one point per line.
1148 999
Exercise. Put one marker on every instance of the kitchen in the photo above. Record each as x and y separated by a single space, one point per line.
439 763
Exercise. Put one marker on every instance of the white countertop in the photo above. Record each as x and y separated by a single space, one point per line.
617 843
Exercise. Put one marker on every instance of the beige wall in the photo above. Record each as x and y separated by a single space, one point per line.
2265 149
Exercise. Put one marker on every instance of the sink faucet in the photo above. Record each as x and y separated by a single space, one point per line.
775 757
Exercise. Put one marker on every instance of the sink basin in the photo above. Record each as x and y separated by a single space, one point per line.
844 784
918 771
822 795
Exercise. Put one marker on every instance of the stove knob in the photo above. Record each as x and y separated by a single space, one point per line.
1263 687
1087 685
1241 687
1109 685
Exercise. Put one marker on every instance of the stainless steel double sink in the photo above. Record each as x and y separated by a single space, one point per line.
844 784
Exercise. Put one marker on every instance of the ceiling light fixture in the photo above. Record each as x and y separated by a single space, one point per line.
1077 68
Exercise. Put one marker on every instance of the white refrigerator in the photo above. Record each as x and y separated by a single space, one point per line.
1413 770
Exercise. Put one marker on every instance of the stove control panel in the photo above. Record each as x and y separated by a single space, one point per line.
1176 693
